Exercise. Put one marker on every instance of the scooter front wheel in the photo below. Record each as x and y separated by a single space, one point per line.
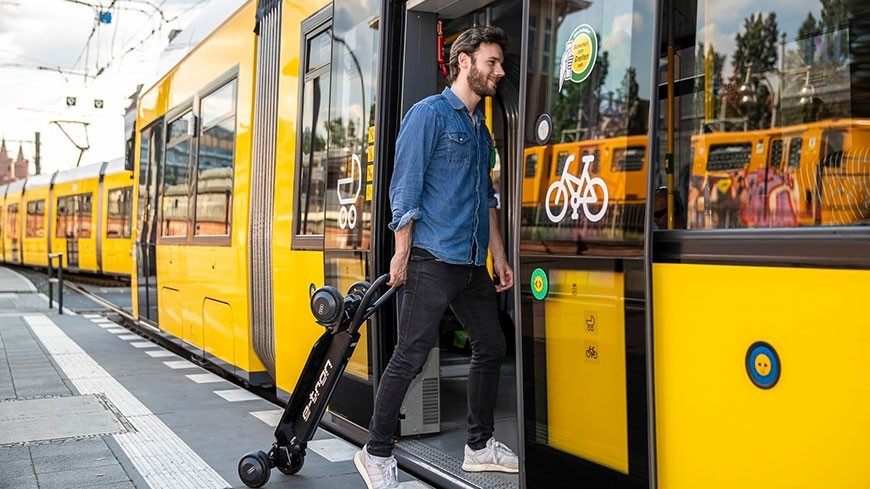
254 469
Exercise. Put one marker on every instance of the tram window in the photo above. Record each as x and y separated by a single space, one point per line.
63 226
794 152
176 178
74 216
775 154
120 210
84 215
561 157
628 159
791 78
12 221
214 171
312 153
35 219
144 155
531 165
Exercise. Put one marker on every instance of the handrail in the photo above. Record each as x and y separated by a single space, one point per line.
52 280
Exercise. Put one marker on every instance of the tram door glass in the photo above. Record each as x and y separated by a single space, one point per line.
772 115
350 165
151 149
581 240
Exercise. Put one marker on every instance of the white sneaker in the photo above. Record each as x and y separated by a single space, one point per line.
495 456
377 472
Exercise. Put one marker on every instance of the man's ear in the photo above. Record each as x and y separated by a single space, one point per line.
464 60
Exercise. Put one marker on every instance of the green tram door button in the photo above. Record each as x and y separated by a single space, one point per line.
540 284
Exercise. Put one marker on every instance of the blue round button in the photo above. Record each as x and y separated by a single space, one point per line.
762 365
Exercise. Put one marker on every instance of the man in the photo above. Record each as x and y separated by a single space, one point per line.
444 218
660 209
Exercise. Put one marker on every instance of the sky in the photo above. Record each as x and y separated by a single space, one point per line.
54 49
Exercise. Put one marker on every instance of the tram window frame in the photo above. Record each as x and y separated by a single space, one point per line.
12 225
230 77
35 228
123 210
175 115
312 27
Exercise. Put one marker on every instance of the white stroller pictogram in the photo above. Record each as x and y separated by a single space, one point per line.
347 215
582 191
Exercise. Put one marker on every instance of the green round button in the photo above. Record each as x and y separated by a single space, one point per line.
540 284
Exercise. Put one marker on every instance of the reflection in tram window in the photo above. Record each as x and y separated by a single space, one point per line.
214 180
35 219
596 91
176 182
74 214
771 121
311 180
12 222
120 210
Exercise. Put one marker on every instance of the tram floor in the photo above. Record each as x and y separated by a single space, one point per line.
454 409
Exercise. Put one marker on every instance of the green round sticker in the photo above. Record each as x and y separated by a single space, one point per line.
540 284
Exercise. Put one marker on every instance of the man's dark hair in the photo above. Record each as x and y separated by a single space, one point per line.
469 41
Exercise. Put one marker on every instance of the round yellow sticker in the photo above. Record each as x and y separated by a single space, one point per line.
582 53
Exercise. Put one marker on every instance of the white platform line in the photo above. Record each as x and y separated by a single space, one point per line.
159 353
270 417
141 344
333 449
129 337
101 319
117 330
178 364
237 395
92 316
107 325
158 454
208 378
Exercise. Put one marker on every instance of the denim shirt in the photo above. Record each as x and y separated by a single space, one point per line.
441 180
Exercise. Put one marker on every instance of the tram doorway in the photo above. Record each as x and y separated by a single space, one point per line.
433 424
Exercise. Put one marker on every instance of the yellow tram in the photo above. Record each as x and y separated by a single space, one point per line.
642 356
84 213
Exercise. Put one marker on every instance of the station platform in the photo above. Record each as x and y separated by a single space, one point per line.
86 403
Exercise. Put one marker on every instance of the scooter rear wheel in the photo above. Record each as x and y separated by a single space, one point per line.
297 460
254 469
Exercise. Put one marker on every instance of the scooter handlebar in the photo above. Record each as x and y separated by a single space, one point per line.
367 307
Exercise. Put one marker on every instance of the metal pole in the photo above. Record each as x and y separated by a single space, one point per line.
37 162
50 283
60 283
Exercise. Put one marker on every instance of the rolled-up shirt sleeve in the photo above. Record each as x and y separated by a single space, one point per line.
414 149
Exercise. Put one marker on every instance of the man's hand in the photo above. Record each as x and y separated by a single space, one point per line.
505 275
399 263
398 269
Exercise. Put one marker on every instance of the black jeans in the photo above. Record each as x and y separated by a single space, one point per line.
431 287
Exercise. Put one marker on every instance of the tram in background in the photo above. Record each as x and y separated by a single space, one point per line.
644 356
84 213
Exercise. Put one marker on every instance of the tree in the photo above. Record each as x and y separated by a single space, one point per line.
756 53
757 47
577 106
633 118
806 32
709 57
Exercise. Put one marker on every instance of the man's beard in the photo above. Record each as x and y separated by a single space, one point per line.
478 82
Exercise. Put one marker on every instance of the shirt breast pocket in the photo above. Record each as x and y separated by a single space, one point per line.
460 147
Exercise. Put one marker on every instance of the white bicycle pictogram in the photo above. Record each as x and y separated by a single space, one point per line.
582 191
347 215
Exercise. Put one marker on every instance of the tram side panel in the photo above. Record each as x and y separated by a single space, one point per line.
34 219
756 376
296 265
201 200
116 224
75 223
12 209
